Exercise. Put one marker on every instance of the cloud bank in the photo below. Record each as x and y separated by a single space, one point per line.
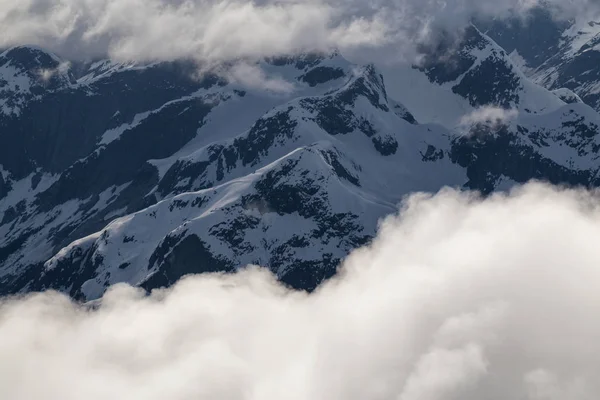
217 30
458 298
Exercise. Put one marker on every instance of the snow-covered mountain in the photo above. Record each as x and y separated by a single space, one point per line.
576 66
452 82
144 173
558 54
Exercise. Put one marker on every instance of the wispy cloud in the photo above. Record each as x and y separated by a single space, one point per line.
490 116
252 76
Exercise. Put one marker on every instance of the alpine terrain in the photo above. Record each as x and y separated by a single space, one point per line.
143 173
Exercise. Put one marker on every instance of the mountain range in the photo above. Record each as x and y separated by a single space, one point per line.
143 173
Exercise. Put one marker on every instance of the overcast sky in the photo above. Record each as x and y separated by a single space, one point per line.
229 29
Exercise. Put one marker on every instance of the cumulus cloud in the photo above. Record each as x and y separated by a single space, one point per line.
458 297
216 30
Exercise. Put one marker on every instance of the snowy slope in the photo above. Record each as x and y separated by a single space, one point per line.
26 74
576 65
447 86
559 55
299 165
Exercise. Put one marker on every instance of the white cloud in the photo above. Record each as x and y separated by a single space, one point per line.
252 76
216 30
457 298
489 116
46 74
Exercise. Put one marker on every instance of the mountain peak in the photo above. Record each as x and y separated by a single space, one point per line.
29 58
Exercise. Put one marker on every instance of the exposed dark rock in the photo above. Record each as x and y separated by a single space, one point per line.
386 145
176 258
319 75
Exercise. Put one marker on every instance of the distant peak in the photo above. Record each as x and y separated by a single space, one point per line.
31 57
